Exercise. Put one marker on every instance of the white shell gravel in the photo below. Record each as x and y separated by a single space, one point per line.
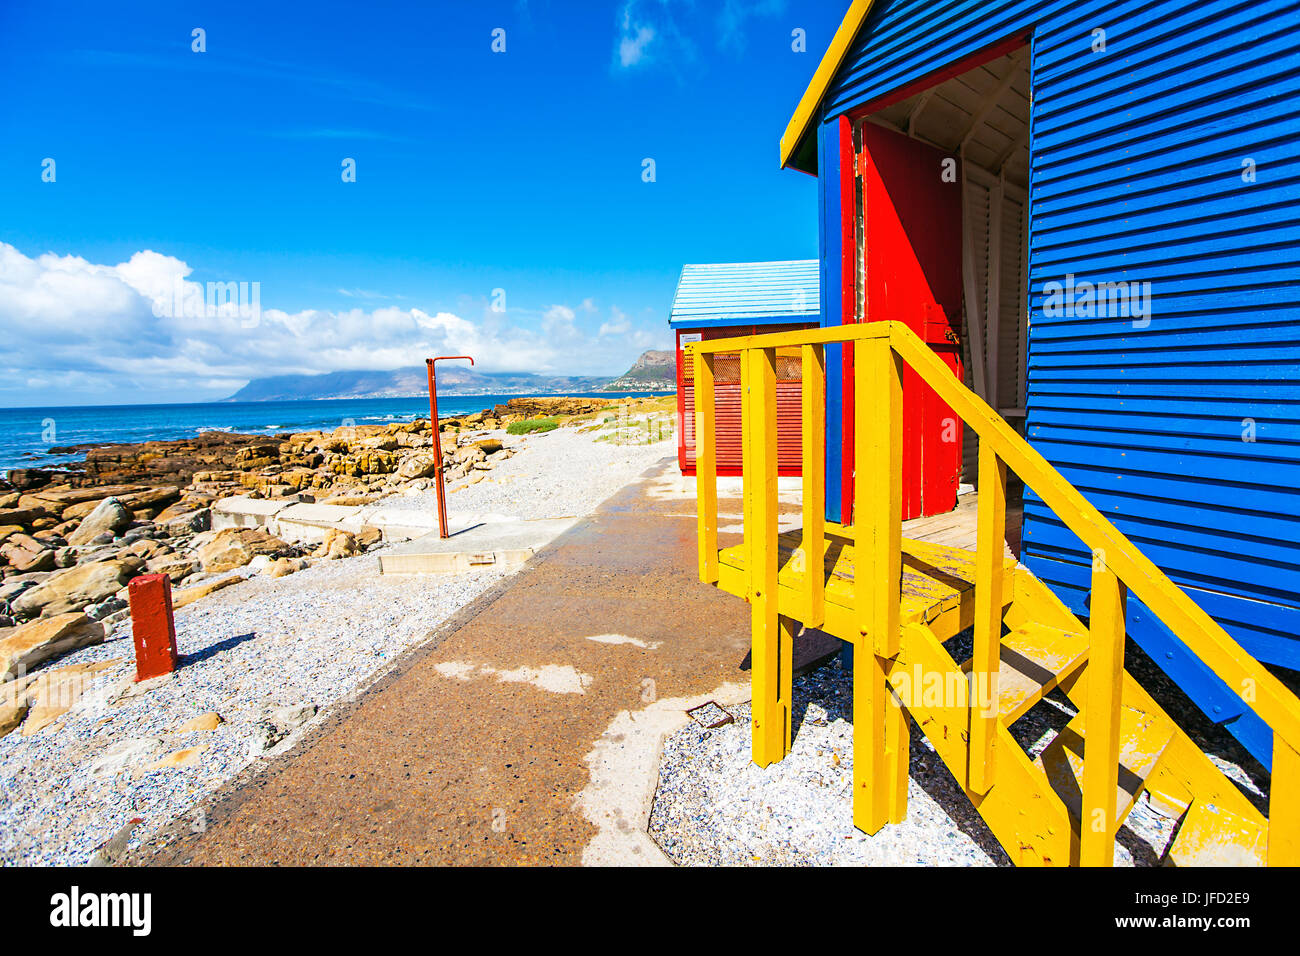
714 806
552 475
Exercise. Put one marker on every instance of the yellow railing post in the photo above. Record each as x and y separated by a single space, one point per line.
877 491
897 754
769 684
985 662
813 425
877 532
1284 805
1105 675
706 467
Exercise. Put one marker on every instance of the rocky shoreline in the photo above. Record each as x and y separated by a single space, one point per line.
71 538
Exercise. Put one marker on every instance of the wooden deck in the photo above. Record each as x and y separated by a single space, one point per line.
957 528
938 570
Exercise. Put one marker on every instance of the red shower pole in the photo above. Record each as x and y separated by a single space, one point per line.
437 439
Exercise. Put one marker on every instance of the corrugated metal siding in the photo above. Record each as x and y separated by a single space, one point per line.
727 408
1136 176
906 40
752 292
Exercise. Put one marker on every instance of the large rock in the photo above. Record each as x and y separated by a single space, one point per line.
25 478
337 544
175 566
233 548
153 498
21 516
45 640
124 755
14 702
74 588
185 522
364 463
25 553
15 585
53 693
284 566
59 498
209 721
109 515
27 561
417 466
189 595
12 712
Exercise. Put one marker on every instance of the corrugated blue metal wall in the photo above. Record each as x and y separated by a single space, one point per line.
1184 429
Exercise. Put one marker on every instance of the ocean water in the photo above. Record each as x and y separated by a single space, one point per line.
27 434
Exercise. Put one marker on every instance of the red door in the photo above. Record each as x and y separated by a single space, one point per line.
911 227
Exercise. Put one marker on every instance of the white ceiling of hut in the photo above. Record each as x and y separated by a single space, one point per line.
984 112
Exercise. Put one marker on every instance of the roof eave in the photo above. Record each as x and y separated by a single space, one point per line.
799 124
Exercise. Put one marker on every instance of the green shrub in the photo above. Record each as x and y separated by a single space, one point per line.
529 425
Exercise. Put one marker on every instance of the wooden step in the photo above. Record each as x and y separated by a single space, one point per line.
938 581
1034 659
1142 741
1212 836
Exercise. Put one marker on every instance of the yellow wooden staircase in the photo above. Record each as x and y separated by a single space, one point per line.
900 602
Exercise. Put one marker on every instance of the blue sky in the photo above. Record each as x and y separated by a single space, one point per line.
475 171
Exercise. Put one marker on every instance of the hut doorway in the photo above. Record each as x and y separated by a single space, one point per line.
941 212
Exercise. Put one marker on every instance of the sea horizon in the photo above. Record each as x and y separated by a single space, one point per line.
27 433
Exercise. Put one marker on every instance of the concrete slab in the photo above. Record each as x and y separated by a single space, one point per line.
309 522
295 520
399 524
492 543
243 512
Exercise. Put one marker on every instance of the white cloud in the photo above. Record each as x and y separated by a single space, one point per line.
669 33
734 16
633 39
618 324
76 326
631 49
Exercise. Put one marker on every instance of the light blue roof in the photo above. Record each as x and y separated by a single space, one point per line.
740 293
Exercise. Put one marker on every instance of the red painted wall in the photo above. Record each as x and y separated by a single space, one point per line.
911 223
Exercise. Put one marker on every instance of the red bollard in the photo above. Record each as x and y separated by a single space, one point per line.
152 625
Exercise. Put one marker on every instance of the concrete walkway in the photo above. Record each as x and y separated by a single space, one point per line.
533 713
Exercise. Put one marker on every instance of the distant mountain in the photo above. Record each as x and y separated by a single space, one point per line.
410 382
646 375
655 370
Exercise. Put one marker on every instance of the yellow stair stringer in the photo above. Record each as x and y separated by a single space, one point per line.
1025 815
1185 774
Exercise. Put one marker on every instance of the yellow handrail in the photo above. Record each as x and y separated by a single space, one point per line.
1119 566
1249 679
